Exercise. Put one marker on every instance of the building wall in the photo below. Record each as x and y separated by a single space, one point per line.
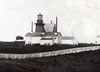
36 40
32 40
58 39
40 28
67 42
28 40
46 42
55 40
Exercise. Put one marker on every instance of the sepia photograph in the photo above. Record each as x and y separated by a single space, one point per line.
49 36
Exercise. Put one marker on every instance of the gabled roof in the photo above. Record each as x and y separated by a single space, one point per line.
28 35
47 39
33 34
39 34
49 27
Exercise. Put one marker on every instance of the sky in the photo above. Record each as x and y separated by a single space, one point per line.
80 18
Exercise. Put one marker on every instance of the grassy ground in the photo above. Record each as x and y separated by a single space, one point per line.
79 62
20 48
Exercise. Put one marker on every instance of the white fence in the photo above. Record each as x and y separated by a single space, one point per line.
51 53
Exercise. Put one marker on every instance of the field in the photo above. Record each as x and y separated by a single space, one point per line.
20 48
79 62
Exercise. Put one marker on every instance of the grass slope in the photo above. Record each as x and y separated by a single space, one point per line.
79 62
20 48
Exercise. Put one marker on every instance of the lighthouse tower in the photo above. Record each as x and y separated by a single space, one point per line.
39 24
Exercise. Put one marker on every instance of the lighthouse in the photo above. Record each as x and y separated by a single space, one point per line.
45 34
40 24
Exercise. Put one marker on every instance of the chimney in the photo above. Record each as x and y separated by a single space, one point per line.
56 23
51 22
32 27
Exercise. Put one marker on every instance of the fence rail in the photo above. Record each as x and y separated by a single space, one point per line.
51 53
